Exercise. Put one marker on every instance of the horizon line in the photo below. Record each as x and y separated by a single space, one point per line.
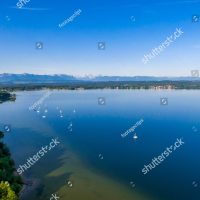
94 76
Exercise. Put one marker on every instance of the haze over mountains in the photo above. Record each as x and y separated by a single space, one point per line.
33 78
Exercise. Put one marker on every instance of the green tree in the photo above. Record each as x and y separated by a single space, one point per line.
7 170
1 135
6 193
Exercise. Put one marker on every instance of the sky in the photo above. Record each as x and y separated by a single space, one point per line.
129 30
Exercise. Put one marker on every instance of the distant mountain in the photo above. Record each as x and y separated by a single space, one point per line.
32 78
142 78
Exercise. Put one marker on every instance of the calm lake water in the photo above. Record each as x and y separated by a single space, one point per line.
92 154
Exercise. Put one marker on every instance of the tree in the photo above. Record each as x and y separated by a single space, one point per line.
8 172
1 135
6 193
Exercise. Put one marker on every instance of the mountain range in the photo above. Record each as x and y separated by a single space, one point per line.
33 78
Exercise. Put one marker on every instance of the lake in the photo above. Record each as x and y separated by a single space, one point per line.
92 160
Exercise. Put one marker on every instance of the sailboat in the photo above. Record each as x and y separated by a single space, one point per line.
135 136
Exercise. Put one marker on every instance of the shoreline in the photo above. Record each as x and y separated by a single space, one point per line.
77 89
89 85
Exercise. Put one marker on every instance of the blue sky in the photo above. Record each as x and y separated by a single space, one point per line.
130 29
